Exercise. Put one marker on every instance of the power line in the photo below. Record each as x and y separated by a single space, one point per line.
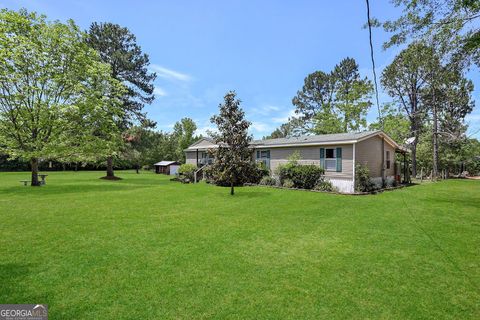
373 65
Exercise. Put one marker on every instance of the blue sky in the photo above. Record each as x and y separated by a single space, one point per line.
261 49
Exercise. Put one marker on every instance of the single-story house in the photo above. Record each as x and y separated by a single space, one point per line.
167 167
336 153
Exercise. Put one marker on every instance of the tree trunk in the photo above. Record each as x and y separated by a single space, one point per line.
34 164
231 189
435 142
110 173
414 159
136 168
414 130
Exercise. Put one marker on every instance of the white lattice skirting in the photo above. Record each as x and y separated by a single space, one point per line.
343 185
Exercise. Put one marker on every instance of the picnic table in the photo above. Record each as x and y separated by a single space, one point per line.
42 182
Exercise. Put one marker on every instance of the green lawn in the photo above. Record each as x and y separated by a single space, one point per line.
145 247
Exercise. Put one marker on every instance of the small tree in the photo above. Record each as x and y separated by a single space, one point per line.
183 133
233 156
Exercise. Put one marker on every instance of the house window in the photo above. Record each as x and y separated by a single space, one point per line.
388 159
330 160
206 158
264 157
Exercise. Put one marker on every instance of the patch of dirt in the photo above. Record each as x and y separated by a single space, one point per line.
474 178
111 178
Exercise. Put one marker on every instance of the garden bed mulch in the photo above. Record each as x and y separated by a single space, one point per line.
333 192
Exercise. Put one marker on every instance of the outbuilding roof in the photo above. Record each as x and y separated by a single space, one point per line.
165 163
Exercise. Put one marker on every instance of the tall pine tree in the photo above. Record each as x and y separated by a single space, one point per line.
117 46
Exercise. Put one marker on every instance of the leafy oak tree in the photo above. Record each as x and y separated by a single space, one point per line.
57 99
233 156
129 65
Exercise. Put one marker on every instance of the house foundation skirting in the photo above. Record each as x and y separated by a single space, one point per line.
343 185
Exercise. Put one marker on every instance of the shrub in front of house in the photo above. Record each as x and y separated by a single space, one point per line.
268 181
306 176
187 171
363 182
287 183
257 173
302 176
324 185
391 182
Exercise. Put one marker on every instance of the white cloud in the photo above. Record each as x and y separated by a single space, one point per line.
265 110
285 117
159 92
170 74
204 130
260 126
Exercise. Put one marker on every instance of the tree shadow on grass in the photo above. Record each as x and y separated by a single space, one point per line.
62 185
243 192
52 189
252 194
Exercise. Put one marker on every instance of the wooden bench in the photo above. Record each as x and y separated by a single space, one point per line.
25 182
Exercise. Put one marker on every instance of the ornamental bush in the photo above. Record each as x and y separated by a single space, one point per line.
187 171
302 176
324 185
306 177
363 182
287 183
268 181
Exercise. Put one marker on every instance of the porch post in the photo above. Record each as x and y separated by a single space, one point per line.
197 157
405 167
383 161
353 169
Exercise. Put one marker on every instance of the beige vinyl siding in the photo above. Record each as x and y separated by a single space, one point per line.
191 157
369 153
311 155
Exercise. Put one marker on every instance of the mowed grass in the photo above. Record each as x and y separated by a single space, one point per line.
146 247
